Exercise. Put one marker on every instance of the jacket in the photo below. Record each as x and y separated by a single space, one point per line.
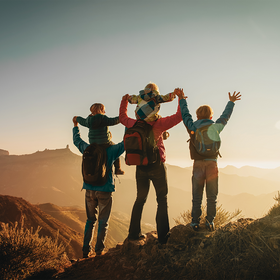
193 126
148 104
98 127
113 152
159 126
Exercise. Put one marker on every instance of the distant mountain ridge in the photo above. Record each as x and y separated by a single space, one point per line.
54 176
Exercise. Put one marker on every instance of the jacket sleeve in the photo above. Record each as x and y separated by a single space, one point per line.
77 140
84 122
110 121
223 119
167 123
186 116
164 98
124 119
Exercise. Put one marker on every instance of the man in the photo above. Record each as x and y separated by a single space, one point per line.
98 199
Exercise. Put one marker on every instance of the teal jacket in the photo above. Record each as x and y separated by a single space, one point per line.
98 127
191 125
113 152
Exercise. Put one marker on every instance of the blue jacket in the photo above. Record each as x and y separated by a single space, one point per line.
113 152
194 125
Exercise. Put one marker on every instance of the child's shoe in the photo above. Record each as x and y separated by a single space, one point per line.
210 226
195 226
118 171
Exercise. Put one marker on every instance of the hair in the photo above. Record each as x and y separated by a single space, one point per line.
152 86
204 112
96 108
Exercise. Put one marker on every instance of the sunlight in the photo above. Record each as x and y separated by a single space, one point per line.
277 125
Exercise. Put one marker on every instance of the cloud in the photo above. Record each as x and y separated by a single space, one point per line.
277 125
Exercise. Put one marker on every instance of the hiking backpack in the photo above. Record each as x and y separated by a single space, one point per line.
207 141
139 144
94 165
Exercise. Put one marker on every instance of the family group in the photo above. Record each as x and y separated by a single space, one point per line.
98 198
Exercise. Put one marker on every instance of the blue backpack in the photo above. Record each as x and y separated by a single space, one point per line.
207 141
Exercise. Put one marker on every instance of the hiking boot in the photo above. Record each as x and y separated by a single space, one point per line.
164 240
210 226
195 226
118 171
100 253
140 237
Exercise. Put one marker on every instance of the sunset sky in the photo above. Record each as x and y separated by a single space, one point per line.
58 57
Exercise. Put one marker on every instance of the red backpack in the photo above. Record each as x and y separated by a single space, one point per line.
139 144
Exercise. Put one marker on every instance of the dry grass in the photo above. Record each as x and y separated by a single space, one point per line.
222 217
24 253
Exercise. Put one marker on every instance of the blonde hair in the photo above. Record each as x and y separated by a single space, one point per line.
152 86
204 112
97 108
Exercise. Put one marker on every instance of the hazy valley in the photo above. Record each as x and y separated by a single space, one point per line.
54 176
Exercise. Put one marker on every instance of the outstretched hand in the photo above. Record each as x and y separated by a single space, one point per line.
235 96
125 97
180 93
75 121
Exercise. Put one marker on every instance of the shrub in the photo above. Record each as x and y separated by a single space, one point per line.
24 253
222 216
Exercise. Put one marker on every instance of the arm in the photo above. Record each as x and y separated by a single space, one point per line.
167 123
186 116
78 142
83 122
124 119
106 121
165 98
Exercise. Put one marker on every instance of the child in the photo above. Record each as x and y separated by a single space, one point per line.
205 170
99 133
148 102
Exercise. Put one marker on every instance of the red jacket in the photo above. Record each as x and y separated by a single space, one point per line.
159 126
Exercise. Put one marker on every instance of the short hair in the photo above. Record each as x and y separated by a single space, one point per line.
152 86
96 108
204 112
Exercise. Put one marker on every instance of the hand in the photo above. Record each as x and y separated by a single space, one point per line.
125 97
235 96
75 121
180 93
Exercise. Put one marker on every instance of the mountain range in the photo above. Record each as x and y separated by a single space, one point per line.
54 176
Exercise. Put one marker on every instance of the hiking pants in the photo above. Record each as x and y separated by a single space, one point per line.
101 203
205 173
157 174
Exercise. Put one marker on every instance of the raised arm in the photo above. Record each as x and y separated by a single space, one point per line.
124 119
82 121
223 119
77 140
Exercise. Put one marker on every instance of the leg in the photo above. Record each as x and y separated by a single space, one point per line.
117 164
198 179
143 186
211 189
91 211
159 179
105 206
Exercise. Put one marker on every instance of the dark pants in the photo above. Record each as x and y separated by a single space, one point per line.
144 175
97 203
205 173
